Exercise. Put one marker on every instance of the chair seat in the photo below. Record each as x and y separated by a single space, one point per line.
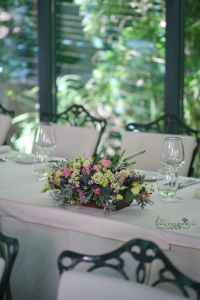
134 142
77 286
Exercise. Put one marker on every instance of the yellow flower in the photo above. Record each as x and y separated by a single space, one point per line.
122 188
113 185
108 174
58 173
136 188
100 179
119 197
87 163
76 166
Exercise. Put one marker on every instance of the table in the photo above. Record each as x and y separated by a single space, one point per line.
44 231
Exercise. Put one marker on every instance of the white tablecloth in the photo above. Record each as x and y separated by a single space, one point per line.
44 231
20 197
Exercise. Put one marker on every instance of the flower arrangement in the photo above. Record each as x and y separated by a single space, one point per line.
106 183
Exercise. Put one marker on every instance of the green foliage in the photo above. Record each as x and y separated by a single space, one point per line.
18 54
192 67
128 74
192 64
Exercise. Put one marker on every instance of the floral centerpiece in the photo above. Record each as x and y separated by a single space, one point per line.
110 184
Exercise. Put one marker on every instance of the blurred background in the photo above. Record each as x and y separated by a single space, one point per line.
108 55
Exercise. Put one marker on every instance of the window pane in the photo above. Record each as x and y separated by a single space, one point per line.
192 70
19 66
192 64
110 57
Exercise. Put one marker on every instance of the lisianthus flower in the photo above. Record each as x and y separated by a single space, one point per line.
66 172
106 163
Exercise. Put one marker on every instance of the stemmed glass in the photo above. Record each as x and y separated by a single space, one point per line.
45 139
45 142
172 158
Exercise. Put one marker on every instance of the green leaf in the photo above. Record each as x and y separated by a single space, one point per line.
129 196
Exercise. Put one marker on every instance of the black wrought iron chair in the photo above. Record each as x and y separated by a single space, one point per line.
5 111
144 252
78 116
171 124
8 251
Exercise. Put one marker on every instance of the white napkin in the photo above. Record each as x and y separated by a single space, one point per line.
4 149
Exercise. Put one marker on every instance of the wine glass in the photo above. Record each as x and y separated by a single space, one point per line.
45 142
172 158
45 139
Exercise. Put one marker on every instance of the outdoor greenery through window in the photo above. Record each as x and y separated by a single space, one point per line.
192 69
19 68
192 64
110 57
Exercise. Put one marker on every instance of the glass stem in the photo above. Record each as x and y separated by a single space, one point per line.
173 183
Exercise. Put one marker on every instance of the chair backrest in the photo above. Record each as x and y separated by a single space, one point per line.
5 122
78 131
144 252
8 251
171 124
134 142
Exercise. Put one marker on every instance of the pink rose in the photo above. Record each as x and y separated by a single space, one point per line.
86 169
106 163
66 172
97 191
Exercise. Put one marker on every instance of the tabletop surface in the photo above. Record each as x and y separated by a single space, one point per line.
164 223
